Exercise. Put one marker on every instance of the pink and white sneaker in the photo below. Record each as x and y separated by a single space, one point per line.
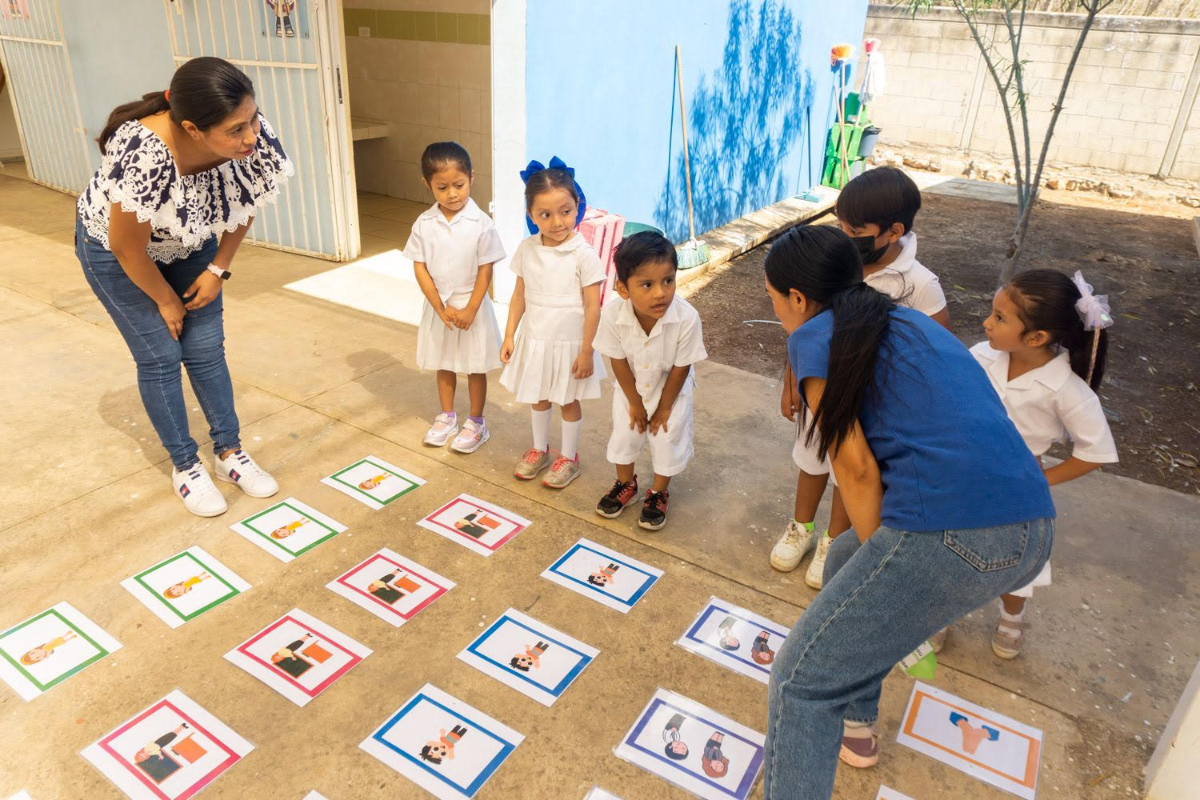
471 437
442 430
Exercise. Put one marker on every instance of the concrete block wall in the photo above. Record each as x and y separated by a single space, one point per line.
426 70
1132 104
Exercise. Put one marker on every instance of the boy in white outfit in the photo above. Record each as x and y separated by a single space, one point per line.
653 338
876 210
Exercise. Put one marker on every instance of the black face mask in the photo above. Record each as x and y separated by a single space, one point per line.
866 249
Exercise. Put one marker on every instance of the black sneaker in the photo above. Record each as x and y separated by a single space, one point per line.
654 510
618 497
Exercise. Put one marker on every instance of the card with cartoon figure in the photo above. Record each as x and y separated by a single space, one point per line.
373 482
288 529
888 793
442 744
172 749
50 647
184 586
391 587
735 638
604 575
531 657
298 656
694 747
475 524
971 738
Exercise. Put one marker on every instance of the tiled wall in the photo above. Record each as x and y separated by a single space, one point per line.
426 69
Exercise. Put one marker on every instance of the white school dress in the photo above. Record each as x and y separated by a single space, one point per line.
910 284
676 340
1047 405
551 332
453 251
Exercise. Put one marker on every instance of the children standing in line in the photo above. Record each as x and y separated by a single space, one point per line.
556 301
1045 353
876 210
653 339
453 246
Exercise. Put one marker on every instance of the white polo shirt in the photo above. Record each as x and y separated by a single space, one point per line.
453 250
676 340
1050 404
909 283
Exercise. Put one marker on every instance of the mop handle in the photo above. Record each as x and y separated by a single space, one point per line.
687 159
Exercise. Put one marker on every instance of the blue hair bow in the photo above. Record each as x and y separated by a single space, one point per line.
534 167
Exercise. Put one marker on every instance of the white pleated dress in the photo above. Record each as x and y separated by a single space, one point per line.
551 332
453 251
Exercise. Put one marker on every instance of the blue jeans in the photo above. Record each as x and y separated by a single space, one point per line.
201 348
881 600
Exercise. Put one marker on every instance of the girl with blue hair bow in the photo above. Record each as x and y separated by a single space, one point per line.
556 304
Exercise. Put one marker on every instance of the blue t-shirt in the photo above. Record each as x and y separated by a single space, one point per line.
948 454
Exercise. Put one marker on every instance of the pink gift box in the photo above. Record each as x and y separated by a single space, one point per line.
603 231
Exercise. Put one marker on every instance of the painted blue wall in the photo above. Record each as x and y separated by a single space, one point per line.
600 94
118 53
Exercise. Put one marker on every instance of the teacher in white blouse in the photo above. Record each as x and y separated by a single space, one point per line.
183 173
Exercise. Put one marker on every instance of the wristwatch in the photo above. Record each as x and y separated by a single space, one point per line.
223 274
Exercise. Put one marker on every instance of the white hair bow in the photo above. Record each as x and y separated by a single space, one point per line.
1093 309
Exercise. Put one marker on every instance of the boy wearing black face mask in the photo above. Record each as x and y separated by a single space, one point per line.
876 210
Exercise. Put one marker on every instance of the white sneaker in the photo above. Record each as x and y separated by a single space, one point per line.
442 430
816 567
797 539
196 489
240 469
471 437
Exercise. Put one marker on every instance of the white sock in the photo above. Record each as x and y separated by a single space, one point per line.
1007 617
856 730
541 429
570 437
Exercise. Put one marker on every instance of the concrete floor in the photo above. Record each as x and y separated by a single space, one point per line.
317 385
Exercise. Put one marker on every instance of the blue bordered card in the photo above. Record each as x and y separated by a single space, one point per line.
443 745
529 656
604 575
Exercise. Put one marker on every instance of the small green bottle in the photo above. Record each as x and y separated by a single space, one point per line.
921 663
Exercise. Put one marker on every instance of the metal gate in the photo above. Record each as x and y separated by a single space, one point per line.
33 52
294 59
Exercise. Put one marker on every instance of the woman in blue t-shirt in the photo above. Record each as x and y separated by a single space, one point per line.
949 507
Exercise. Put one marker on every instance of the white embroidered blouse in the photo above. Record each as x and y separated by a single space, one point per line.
185 211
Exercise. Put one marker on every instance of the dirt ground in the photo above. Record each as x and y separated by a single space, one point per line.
1146 263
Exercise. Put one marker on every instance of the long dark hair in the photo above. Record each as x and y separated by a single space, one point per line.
1045 301
204 91
823 264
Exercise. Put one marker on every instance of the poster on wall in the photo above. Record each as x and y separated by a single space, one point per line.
285 19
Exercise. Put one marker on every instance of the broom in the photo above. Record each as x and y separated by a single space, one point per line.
693 252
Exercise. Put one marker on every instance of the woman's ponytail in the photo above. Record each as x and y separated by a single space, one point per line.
861 320
152 103
822 264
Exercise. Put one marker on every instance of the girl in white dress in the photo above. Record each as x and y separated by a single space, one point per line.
556 302
453 246
1045 354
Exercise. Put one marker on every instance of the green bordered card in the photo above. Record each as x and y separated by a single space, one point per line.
184 586
50 647
373 482
288 529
